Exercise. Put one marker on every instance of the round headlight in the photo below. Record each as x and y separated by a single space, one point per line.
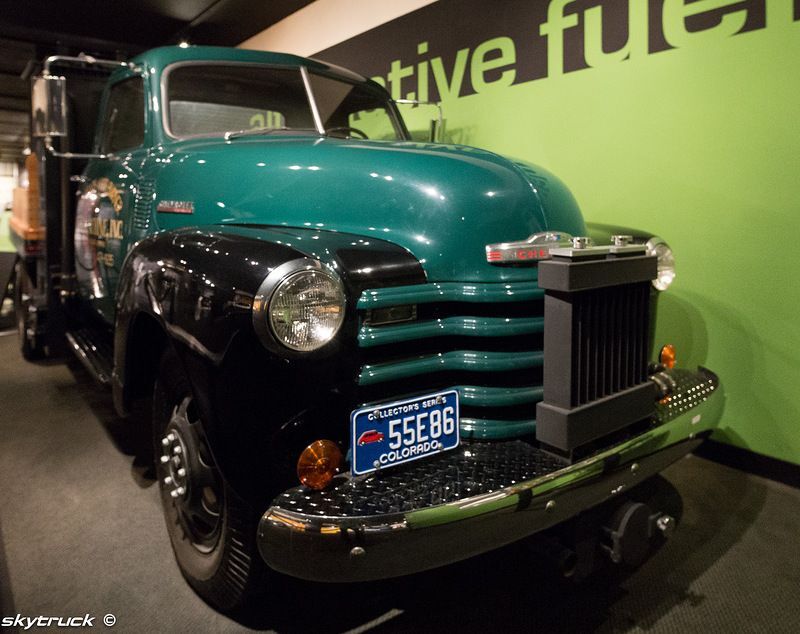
666 262
303 304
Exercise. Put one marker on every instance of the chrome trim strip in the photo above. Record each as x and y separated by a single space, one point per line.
432 292
482 396
75 155
458 325
454 360
476 427
85 59
312 100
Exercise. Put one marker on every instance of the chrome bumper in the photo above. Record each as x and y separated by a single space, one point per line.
367 547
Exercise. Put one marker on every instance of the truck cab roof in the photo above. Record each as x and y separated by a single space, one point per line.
158 59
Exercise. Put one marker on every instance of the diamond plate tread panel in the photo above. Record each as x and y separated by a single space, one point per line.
469 470
690 389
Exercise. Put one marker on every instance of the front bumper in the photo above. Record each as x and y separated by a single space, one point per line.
478 497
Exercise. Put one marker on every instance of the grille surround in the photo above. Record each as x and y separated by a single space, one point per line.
515 359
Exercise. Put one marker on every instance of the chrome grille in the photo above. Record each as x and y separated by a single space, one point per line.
483 340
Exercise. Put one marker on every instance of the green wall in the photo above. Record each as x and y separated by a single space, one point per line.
698 143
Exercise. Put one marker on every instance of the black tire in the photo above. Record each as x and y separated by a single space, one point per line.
31 342
219 560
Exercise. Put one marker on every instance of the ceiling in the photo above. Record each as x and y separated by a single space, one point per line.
33 29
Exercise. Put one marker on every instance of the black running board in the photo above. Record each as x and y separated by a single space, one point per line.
95 356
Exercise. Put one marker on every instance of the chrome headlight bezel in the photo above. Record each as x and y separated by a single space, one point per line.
666 262
277 279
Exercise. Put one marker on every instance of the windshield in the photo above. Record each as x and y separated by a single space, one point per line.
354 110
212 99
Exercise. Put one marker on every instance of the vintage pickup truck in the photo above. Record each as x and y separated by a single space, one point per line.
362 356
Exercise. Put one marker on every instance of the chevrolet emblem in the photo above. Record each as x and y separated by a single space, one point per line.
536 247
175 207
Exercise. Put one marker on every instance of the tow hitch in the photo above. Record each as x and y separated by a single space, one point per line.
628 538
627 532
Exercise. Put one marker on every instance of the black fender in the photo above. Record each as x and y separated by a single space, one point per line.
193 289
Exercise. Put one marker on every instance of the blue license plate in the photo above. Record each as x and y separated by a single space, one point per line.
389 434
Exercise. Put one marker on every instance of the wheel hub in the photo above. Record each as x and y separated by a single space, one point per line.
189 477
172 457
26 317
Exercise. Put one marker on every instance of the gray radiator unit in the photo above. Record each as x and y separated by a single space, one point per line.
597 319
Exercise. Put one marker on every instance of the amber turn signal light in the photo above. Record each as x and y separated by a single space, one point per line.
318 463
667 356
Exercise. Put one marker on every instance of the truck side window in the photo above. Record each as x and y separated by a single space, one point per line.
123 128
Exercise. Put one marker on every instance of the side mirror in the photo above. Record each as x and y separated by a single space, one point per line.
436 129
49 106
436 126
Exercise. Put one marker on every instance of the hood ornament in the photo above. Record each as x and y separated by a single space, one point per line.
536 247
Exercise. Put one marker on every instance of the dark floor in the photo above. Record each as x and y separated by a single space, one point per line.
81 532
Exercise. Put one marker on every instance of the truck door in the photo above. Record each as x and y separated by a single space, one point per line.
102 224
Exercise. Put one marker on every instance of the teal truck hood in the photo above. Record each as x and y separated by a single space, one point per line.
443 203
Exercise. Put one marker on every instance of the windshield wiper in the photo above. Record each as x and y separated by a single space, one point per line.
233 134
